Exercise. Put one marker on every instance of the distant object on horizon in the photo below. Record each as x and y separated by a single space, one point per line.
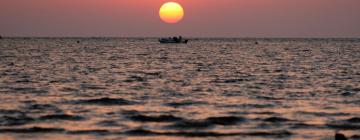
78 41
1 37
339 136
173 40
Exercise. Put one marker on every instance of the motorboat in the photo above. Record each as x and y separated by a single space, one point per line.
173 40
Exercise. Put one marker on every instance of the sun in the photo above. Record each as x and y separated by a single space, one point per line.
171 12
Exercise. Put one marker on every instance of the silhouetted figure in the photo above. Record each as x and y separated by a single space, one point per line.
175 39
339 136
186 41
78 41
180 38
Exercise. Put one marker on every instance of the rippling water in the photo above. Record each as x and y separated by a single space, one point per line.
113 88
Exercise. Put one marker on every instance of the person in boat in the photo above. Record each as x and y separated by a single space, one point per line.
175 39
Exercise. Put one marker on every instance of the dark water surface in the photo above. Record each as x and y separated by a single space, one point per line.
110 88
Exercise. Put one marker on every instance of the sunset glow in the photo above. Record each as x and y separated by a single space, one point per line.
142 69
197 18
171 12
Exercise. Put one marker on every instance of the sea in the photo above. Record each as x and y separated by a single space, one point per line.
210 88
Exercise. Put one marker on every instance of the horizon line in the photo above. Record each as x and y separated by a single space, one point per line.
194 37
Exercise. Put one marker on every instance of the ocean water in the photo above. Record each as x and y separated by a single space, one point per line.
136 88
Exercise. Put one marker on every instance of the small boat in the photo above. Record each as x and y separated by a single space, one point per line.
173 40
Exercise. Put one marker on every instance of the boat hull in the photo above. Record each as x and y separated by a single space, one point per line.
168 41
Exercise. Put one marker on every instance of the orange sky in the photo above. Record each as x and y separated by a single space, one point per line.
203 18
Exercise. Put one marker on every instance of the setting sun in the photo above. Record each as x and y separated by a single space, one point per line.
171 12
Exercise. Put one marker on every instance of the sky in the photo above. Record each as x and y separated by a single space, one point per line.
203 18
